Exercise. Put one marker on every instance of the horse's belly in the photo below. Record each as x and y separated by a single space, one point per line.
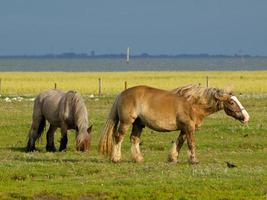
162 125
52 117
54 121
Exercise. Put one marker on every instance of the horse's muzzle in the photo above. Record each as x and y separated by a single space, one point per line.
246 116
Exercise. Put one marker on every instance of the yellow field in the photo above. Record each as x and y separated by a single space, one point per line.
31 83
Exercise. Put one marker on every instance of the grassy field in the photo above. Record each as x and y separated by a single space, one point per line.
31 83
74 175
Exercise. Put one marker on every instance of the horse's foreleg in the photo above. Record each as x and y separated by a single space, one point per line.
191 145
50 145
176 147
135 140
117 140
64 138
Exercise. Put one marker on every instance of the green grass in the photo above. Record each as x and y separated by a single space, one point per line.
74 175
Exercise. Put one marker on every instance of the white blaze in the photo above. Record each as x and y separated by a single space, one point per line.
243 110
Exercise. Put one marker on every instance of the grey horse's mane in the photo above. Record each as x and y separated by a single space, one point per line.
78 108
196 94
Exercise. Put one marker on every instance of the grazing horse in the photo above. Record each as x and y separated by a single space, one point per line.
181 109
61 110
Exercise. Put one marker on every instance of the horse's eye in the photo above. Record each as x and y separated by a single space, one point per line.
232 103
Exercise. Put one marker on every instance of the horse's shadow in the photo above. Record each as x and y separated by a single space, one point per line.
17 149
50 160
63 160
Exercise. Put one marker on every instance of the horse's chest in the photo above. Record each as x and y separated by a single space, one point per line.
69 120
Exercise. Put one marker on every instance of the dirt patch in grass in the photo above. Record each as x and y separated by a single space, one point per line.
95 195
47 196
89 196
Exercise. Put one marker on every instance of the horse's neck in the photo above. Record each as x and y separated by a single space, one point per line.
81 119
208 109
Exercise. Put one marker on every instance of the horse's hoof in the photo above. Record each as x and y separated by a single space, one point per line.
30 149
138 160
115 160
62 149
115 157
194 162
50 149
172 160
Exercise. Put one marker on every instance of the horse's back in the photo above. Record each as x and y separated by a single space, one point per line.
143 93
50 94
48 104
146 94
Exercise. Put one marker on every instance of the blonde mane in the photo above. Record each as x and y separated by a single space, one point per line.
201 96
76 103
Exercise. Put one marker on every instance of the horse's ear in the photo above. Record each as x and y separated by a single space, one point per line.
221 96
229 89
90 129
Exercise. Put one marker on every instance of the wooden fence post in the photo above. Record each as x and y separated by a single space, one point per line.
55 85
125 85
99 87
207 81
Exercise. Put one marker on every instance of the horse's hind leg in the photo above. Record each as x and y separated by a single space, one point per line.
64 138
117 140
135 140
37 127
50 145
176 147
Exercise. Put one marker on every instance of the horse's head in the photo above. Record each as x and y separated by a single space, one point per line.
83 141
233 107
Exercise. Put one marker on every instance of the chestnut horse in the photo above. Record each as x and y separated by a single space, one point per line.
63 110
181 109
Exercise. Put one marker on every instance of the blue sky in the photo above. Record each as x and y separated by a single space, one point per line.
151 26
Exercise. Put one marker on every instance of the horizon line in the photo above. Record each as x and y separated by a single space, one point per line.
121 55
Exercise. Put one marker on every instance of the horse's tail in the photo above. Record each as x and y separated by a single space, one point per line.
38 117
106 139
37 127
33 136
39 131
41 127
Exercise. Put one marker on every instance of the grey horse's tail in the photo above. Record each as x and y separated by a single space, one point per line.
106 139
37 127
33 137
41 127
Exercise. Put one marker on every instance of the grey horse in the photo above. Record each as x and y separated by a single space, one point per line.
61 110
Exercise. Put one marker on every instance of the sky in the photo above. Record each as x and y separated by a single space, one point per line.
146 26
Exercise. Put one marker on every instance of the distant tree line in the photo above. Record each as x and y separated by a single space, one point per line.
122 55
